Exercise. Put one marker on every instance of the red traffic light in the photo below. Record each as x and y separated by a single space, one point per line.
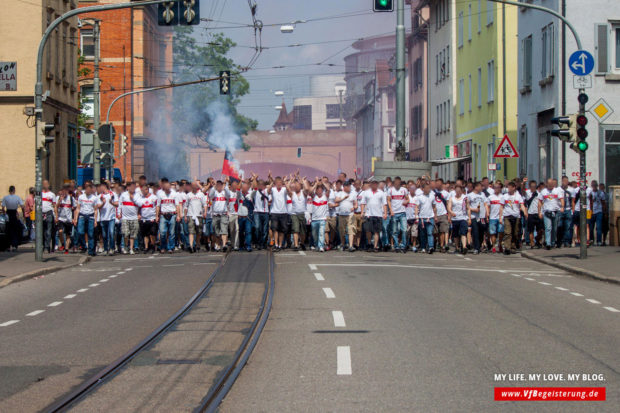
582 120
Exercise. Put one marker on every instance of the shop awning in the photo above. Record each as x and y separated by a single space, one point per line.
450 160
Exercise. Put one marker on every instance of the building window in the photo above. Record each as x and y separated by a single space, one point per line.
491 81
332 111
72 61
469 90
490 7
441 66
479 15
302 117
87 43
469 22
616 32
88 99
449 112
447 60
437 123
58 54
602 48
526 49
544 154
460 34
65 58
479 87
548 48
438 73
461 96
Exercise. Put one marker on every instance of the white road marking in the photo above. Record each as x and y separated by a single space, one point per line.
593 301
120 273
468 259
69 296
329 293
301 253
82 290
173 265
93 285
319 276
54 304
515 275
433 267
343 354
8 323
37 312
338 319
312 267
561 288
529 279
577 294
543 283
104 280
204 263
113 276
613 310
128 269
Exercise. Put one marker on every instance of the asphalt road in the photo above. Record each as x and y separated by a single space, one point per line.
390 332
58 330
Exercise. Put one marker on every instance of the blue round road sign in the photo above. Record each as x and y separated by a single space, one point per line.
581 63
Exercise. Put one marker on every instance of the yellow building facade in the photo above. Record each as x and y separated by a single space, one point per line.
21 28
486 87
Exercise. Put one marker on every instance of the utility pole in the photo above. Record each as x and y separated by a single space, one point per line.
400 81
96 116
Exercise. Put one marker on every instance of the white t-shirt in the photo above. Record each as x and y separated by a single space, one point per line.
88 203
533 208
261 201
425 205
107 212
331 200
410 208
196 203
397 197
578 199
459 207
147 206
374 202
233 202
167 202
320 208
182 199
278 200
47 201
219 201
496 202
439 205
65 208
512 205
129 210
345 207
552 200
477 201
299 202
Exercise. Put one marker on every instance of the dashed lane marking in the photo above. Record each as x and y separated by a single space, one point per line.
120 273
577 294
104 280
433 267
9 323
561 288
338 319
113 276
343 356
516 275
467 258
319 276
173 265
312 267
54 304
93 285
301 253
329 293
543 283
613 310
69 296
37 312
593 301
82 290
529 279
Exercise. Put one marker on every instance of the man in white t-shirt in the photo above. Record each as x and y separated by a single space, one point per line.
64 217
598 199
511 211
129 217
219 196
279 214
168 214
550 204
195 211
425 212
107 215
346 200
298 214
477 212
48 200
147 202
85 216
397 200
374 208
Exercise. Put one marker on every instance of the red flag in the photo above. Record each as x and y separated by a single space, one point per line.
228 168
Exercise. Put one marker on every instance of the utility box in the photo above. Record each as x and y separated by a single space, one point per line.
614 215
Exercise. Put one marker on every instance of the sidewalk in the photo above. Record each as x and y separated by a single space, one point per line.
603 263
20 265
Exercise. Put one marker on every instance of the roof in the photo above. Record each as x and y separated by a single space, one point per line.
284 118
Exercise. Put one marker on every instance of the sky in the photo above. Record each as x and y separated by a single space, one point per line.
293 81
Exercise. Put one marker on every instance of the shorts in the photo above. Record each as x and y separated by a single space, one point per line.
576 218
459 228
148 228
207 228
130 228
442 224
192 227
534 223
374 225
298 223
331 224
355 224
496 227
65 227
412 228
220 225
279 222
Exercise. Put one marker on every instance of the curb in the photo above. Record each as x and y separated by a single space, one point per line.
41 271
578 271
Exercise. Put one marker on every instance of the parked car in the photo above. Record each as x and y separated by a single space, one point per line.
4 237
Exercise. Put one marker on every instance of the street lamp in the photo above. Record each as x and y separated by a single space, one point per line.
279 107
289 28
279 93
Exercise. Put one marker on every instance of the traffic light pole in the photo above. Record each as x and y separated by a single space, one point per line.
96 109
400 80
583 251
38 106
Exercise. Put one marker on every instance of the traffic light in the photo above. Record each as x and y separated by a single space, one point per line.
580 144
107 133
168 13
225 82
44 135
383 5
299 152
190 12
123 149
566 126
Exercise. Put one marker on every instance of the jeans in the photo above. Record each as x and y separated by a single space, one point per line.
86 225
597 219
48 225
233 230
167 228
476 233
318 233
107 231
565 223
426 232
551 227
261 226
245 231
399 227
385 231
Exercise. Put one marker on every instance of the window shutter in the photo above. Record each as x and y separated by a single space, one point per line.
602 48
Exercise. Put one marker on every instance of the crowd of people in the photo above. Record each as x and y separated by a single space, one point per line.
424 215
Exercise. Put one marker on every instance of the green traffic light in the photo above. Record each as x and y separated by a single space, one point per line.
582 146
383 3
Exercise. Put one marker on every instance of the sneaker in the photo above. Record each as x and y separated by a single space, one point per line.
162 251
351 249
414 249
476 252
321 249
132 252
125 251
225 248
494 250
303 247
66 252
248 249
312 248
423 251
431 250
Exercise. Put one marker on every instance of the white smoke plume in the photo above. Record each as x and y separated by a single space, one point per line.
223 134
